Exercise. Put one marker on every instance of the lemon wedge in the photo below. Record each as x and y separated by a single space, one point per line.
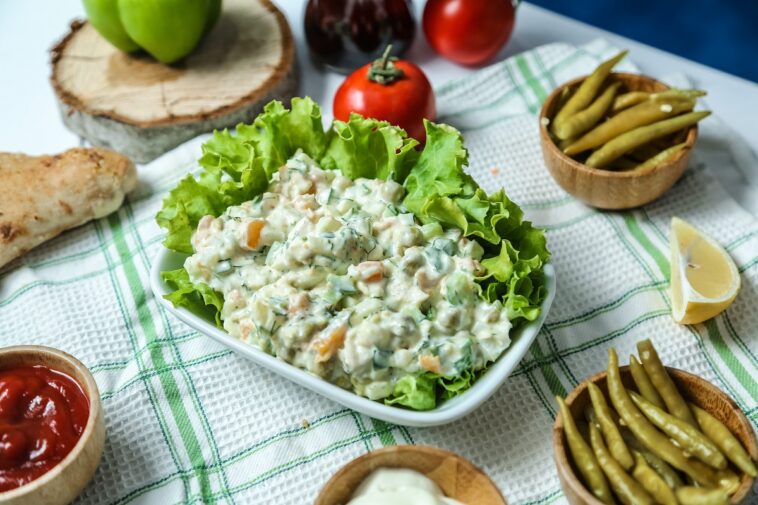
704 278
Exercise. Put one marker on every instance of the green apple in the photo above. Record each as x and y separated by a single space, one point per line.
104 16
167 29
214 11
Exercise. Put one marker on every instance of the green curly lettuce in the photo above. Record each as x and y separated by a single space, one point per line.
369 148
236 168
418 392
199 298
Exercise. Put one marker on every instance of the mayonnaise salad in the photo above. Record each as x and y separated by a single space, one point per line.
399 486
334 276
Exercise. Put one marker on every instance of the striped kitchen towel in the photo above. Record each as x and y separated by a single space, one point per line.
188 421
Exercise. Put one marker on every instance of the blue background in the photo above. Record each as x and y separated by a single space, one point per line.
719 33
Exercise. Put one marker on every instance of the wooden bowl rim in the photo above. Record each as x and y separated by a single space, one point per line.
545 137
405 448
87 382
561 456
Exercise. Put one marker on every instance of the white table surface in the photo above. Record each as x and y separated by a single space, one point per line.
30 122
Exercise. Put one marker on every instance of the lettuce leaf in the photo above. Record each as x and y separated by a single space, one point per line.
277 133
198 298
238 167
438 190
439 171
424 391
369 148
184 206
415 391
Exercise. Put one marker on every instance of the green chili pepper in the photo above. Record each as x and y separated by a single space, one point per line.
642 135
725 440
580 122
562 144
625 487
652 482
622 164
628 99
676 92
644 386
655 441
647 151
644 152
587 90
659 158
583 456
643 114
667 473
725 479
687 436
690 495
631 98
728 480
566 93
675 404
610 429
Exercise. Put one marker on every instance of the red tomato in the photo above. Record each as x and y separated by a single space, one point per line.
468 32
404 100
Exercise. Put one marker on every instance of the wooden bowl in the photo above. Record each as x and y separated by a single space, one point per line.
66 480
694 389
608 189
456 476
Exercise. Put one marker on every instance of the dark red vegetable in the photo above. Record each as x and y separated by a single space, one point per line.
389 89
469 32
345 34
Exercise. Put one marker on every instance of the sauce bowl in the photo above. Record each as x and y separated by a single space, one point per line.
456 476
62 483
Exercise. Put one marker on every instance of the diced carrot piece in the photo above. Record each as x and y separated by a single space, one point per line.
329 347
375 277
254 232
430 363
371 271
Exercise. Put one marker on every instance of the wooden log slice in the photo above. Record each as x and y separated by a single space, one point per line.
142 108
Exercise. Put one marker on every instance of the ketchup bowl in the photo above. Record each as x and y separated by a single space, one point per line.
51 426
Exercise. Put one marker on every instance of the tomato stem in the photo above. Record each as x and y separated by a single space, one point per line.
383 70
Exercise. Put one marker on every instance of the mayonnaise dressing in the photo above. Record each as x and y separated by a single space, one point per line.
399 486
334 276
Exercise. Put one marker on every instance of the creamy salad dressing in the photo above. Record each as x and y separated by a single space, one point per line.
334 276
399 486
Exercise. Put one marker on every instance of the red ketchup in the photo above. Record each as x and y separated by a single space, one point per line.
42 415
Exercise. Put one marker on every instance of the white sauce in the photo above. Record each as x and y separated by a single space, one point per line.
334 276
399 486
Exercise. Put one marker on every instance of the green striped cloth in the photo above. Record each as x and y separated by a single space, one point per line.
188 421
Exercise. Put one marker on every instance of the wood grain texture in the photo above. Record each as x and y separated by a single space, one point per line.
456 476
68 478
142 108
694 389
608 189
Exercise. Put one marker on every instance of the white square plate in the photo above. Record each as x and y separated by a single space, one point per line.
444 413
